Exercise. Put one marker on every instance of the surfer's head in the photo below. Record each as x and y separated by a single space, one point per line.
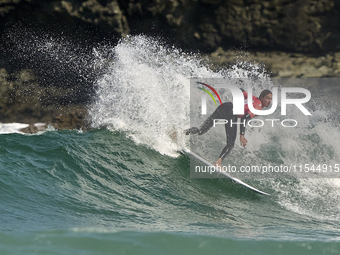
266 97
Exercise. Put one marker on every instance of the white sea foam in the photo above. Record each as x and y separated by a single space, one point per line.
9 128
145 93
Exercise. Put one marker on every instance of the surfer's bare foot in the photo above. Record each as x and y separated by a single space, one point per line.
218 163
173 134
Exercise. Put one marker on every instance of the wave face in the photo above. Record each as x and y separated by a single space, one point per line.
100 186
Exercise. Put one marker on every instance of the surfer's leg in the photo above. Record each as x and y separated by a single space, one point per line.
231 137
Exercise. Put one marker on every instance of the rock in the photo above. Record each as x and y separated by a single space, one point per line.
3 79
24 100
92 11
280 25
289 38
34 128
282 64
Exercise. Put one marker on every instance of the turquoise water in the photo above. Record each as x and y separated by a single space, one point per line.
97 192
125 188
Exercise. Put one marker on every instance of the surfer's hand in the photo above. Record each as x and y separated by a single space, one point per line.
243 141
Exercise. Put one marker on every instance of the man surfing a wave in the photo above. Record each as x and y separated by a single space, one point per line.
225 111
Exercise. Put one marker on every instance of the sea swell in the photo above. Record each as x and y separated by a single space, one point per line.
128 180
101 179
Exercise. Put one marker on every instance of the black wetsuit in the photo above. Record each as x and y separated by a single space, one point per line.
224 111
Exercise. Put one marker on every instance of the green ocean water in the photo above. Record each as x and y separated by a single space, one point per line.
125 186
97 192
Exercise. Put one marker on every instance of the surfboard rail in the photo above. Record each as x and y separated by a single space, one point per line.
225 174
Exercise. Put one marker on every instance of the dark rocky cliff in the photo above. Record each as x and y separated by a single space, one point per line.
293 38
309 26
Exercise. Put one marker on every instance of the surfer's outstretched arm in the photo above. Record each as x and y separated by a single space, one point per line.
223 111
208 123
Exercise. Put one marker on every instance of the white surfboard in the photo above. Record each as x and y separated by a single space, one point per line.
226 174
173 135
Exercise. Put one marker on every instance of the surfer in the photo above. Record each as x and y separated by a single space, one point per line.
225 111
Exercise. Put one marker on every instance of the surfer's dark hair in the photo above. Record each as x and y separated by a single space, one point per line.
265 92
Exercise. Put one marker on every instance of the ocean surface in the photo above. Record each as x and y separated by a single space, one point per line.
125 186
